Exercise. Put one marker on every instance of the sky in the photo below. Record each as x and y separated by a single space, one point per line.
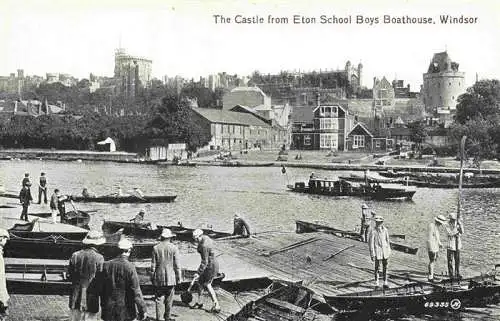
182 38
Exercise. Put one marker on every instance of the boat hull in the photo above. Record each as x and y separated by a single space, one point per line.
145 230
126 199
55 247
418 298
308 227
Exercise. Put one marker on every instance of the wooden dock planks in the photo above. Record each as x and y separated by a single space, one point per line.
306 261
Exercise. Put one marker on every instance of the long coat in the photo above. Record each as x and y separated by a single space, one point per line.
84 265
165 264
380 247
433 238
120 292
209 267
4 295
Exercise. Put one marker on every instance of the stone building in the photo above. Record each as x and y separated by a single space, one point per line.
131 72
443 83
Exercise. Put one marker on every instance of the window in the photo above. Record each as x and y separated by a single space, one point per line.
328 123
377 143
358 141
328 141
307 140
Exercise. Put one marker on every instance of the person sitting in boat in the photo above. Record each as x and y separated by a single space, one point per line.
86 193
139 218
311 183
137 192
241 227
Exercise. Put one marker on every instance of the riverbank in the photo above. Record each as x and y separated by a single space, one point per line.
350 161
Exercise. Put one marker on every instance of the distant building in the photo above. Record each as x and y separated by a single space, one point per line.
246 96
131 72
321 127
13 83
443 83
233 130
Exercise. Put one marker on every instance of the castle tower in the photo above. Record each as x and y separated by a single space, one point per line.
443 83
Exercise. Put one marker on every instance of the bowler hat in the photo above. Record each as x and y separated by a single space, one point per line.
379 219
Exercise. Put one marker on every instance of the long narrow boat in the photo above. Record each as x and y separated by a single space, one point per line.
57 247
126 199
421 297
285 301
342 187
308 227
43 281
147 230
443 180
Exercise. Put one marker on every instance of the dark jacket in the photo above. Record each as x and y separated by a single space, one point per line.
25 196
165 264
209 267
241 227
84 265
121 292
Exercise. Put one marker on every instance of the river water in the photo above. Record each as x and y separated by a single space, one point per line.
210 195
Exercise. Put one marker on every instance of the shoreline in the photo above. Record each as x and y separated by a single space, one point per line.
357 163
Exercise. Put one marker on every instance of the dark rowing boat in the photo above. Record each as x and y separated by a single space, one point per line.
147 230
342 187
308 227
52 280
285 301
25 230
431 180
421 297
57 247
126 199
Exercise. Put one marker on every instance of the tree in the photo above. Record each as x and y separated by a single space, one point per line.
418 133
478 117
174 122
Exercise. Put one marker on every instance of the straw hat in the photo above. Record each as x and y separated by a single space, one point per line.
94 237
379 219
125 244
440 219
197 233
4 233
452 216
166 233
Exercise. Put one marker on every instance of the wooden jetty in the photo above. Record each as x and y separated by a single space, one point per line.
328 264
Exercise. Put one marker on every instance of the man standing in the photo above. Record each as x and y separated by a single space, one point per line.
25 198
380 249
4 295
121 293
241 227
57 205
84 266
454 229
166 273
365 222
208 269
42 189
434 243
26 179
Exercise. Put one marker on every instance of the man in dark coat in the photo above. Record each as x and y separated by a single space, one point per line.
241 227
208 269
84 265
166 272
26 179
121 292
25 198
42 189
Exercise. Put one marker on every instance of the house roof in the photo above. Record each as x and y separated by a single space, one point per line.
330 105
400 131
302 114
229 117
362 126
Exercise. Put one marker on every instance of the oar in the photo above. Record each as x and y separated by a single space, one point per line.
292 246
338 252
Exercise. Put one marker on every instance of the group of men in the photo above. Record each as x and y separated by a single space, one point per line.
57 200
113 286
454 229
376 234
